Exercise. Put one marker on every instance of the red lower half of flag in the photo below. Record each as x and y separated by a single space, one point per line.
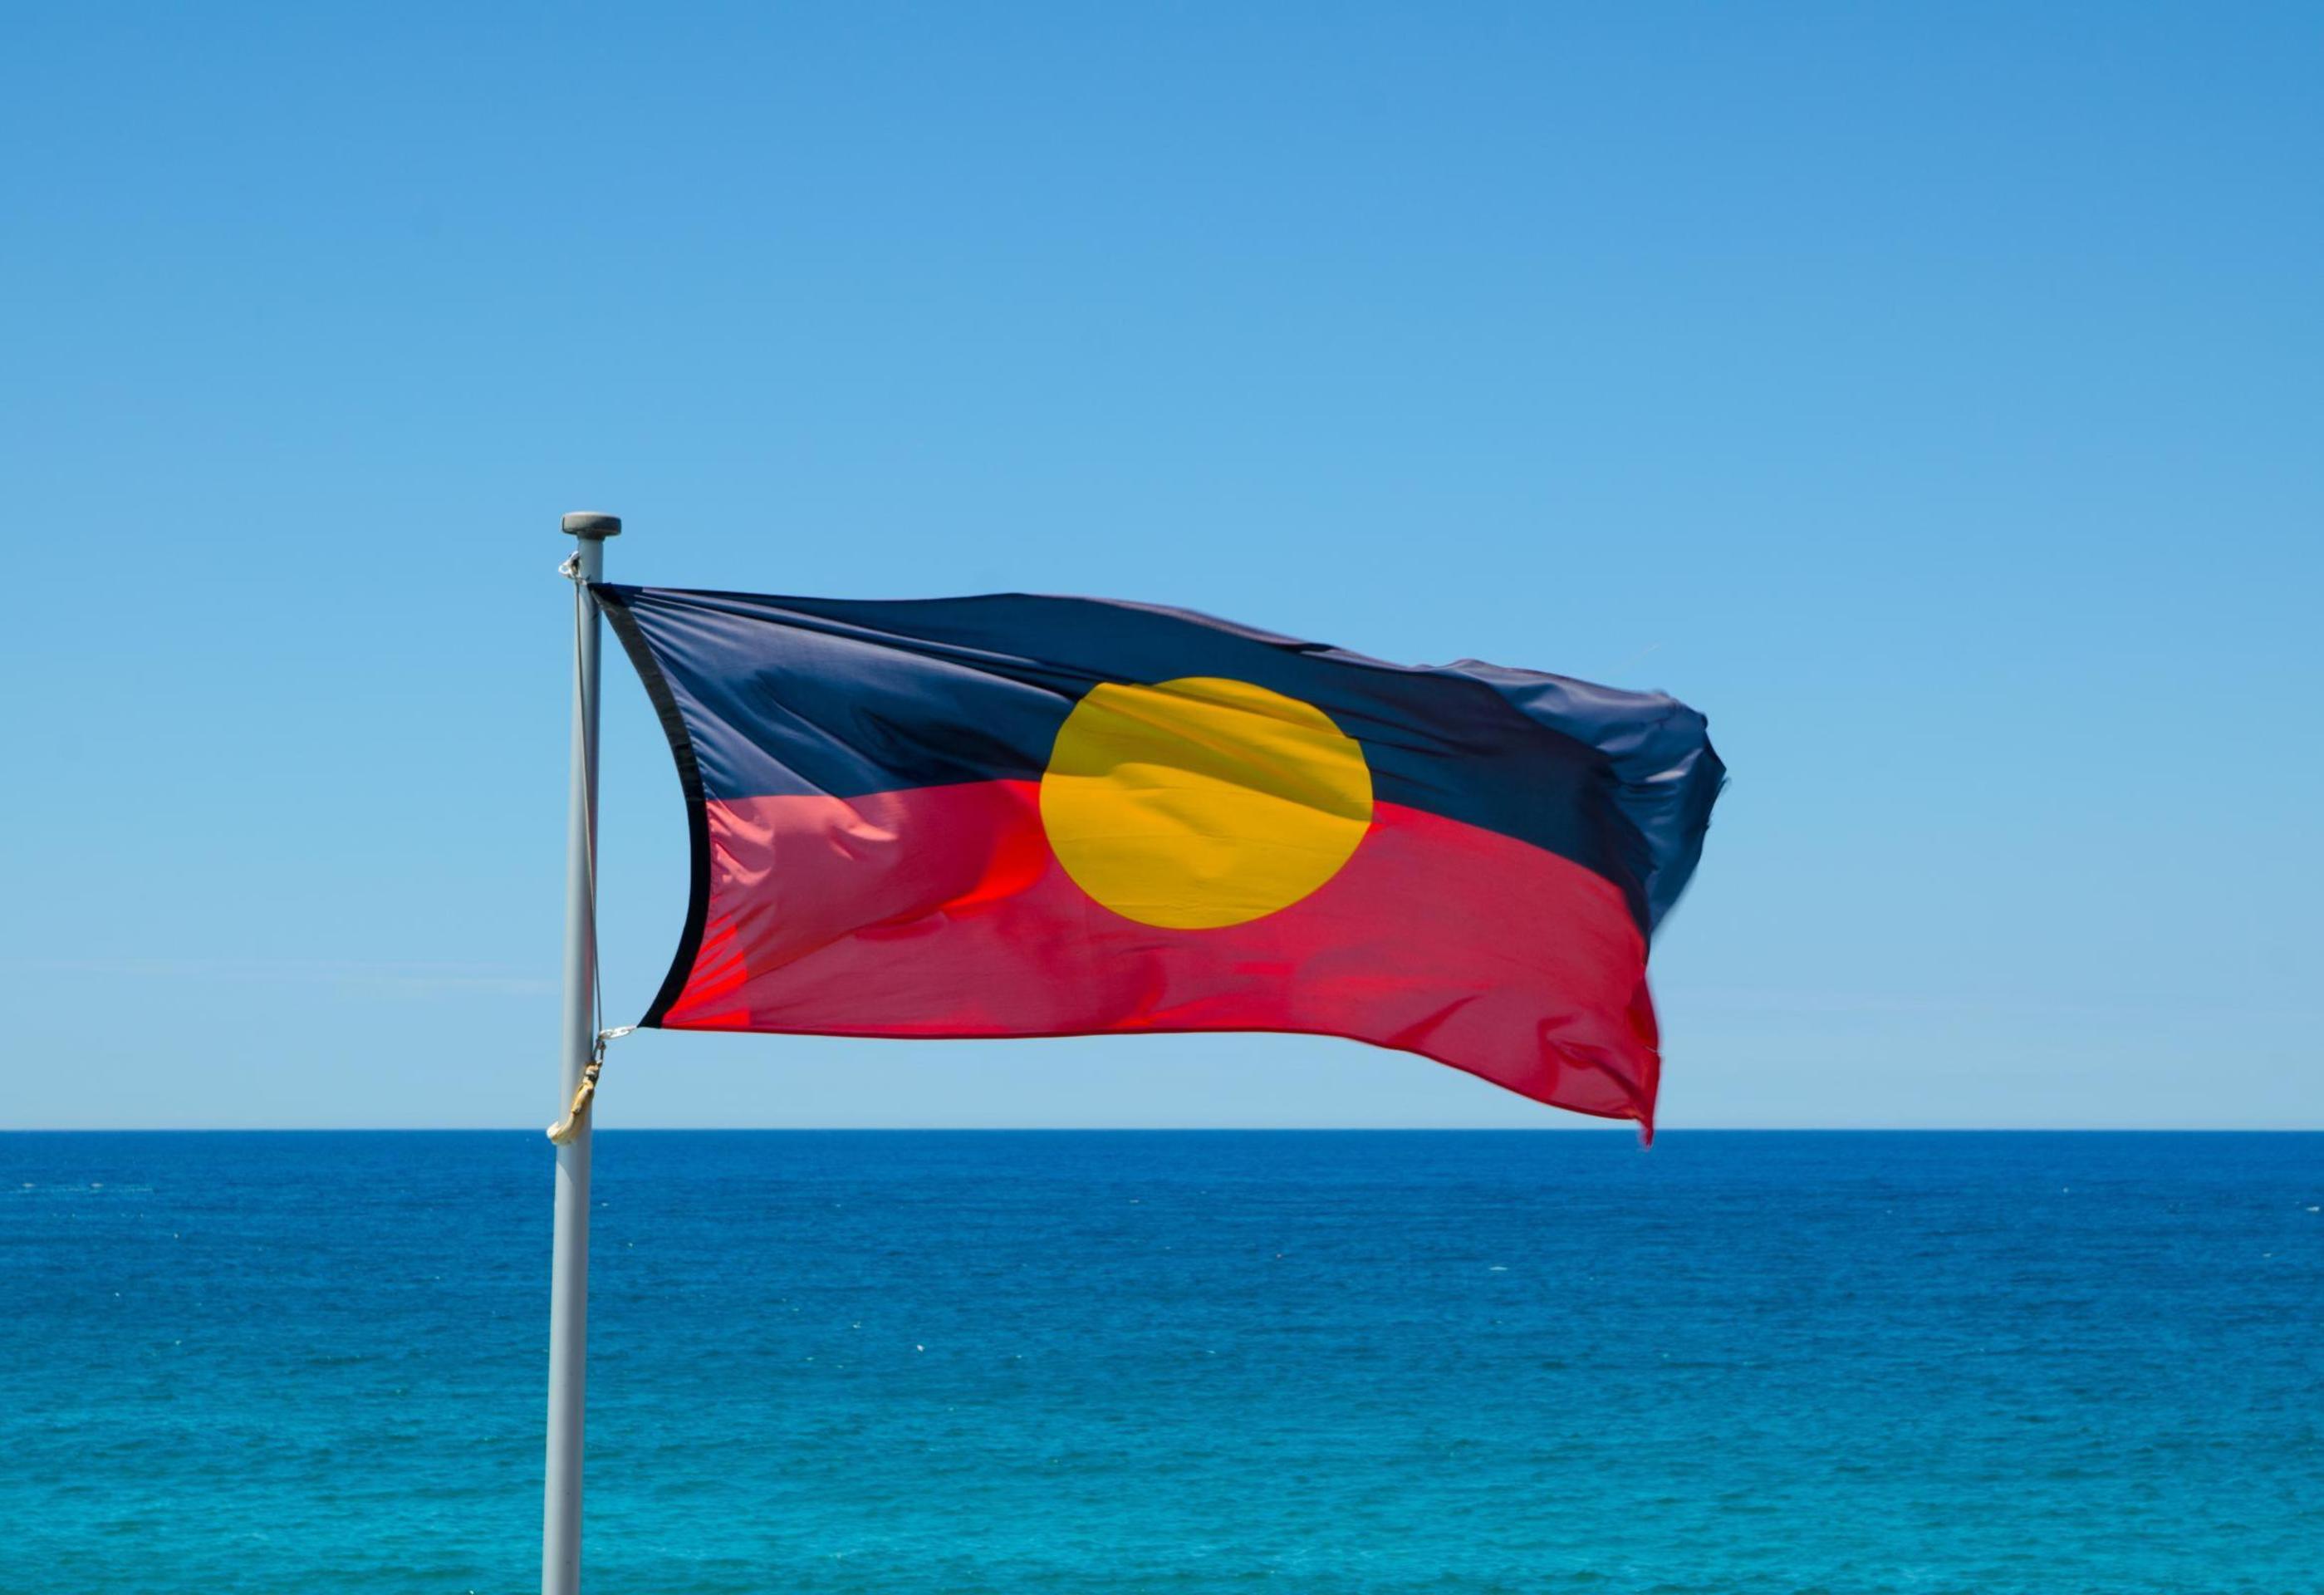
941 911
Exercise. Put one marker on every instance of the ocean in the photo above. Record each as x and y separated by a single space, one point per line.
1174 1363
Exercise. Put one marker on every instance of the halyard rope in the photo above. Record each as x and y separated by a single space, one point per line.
584 1095
567 1128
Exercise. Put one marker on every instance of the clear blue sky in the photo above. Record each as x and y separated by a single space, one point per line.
1930 395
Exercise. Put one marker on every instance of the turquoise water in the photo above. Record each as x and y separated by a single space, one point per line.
1174 1362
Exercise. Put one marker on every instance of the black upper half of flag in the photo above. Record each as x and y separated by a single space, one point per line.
771 696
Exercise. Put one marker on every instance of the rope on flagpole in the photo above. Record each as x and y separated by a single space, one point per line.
582 599
586 1093
567 1128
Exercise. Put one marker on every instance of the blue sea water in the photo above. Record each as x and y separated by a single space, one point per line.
1174 1362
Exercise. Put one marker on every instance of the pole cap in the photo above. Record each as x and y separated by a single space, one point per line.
588 523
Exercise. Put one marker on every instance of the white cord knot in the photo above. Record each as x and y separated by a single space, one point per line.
585 1095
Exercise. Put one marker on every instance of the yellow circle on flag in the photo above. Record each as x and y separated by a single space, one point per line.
1202 802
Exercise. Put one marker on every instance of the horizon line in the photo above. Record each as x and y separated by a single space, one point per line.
1621 1128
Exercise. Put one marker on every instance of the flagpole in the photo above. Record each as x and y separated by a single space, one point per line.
568 1277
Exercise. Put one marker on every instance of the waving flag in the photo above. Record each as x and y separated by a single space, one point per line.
1017 815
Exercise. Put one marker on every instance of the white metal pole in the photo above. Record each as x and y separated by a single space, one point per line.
568 1278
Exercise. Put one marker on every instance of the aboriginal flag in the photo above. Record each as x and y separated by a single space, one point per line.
1018 816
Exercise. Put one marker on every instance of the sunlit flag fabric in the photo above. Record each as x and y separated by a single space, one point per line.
1016 815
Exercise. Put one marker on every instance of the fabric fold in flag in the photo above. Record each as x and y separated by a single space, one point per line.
1016 815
